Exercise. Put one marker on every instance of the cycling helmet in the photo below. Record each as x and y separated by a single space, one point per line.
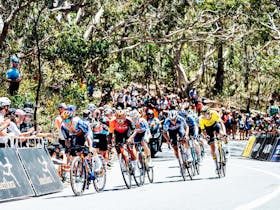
67 115
173 114
91 107
71 108
183 113
108 111
134 114
4 101
205 109
120 114
62 105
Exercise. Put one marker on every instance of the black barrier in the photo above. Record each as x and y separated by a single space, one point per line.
267 147
40 170
13 180
258 146
275 155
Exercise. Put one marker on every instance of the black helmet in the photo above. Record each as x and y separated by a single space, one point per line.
28 105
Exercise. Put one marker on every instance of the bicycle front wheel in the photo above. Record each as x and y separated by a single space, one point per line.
150 174
137 173
100 177
78 176
181 161
125 172
223 163
142 167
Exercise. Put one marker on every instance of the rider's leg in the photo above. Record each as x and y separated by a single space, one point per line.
181 133
147 152
173 139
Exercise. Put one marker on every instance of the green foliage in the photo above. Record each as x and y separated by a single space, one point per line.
130 40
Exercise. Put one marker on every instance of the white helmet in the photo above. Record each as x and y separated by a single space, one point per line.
91 107
173 114
134 114
4 101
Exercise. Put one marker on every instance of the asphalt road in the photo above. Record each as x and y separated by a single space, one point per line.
249 184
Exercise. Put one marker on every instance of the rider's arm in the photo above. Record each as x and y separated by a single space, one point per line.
223 127
166 125
202 127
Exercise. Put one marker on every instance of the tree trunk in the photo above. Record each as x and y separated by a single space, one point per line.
218 87
258 92
247 69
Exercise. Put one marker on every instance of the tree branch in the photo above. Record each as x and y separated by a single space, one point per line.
11 17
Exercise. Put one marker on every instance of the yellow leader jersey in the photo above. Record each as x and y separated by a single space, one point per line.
214 117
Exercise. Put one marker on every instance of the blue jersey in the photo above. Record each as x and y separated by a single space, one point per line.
80 128
142 125
191 122
12 74
180 123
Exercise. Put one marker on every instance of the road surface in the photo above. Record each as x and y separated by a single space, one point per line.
249 184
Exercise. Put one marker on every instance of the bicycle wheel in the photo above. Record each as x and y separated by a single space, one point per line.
137 174
100 177
150 174
218 168
182 163
190 169
202 151
193 163
78 176
197 168
125 172
223 163
141 160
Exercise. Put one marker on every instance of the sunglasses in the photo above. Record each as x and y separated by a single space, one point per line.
67 120
29 116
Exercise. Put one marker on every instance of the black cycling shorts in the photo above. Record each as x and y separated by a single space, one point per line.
102 144
173 135
211 130
120 138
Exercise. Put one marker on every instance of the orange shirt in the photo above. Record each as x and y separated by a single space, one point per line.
120 128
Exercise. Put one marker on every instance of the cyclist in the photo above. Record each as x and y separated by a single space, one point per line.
119 132
100 133
83 135
141 134
176 125
210 123
154 125
193 131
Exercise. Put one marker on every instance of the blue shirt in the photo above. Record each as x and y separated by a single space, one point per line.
180 123
12 74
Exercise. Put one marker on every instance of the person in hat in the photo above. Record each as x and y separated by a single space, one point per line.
13 76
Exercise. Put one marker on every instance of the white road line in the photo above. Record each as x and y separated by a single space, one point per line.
261 200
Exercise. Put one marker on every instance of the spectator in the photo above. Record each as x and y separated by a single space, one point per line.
273 109
13 76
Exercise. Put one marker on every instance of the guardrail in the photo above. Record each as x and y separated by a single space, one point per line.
19 142
263 147
26 168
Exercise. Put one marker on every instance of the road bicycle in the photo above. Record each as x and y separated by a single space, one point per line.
195 162
220 156
127 169
145 168
82 171
186 168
